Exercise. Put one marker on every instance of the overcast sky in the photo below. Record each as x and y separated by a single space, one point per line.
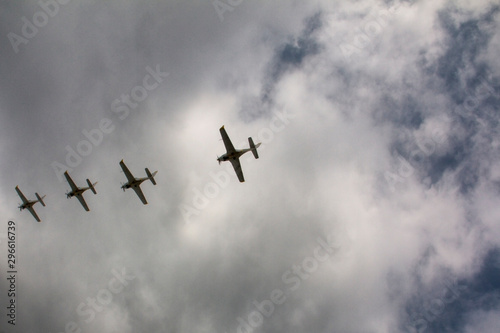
374 205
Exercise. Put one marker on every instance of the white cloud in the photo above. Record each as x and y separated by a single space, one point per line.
332 127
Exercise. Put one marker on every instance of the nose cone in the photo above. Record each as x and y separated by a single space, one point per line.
222 158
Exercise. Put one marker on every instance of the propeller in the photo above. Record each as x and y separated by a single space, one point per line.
218 159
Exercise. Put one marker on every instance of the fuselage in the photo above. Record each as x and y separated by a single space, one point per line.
234 155
134 183
80 190
27 204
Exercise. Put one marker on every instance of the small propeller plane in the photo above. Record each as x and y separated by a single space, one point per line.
28 204
78 191
135 183
233 155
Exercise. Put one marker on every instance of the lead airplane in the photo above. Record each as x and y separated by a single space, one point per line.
135 183
233 155
28 204
78 191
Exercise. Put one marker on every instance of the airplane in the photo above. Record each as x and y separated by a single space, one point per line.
233 155
135 183
78 191
28 204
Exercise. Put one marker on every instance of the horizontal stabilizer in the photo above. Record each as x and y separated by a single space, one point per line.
254 147
151 176
40 199
91 186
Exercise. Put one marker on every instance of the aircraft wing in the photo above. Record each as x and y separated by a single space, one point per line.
70 181
21 195
32 211
227 141
127 172
141 196
237 167
82 201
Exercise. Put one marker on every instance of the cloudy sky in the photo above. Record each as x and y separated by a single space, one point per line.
373 206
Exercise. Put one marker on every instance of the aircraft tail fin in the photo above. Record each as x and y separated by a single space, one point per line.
151 176
254 147
40 199
91 186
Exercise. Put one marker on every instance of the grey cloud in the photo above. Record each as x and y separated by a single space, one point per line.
321 173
